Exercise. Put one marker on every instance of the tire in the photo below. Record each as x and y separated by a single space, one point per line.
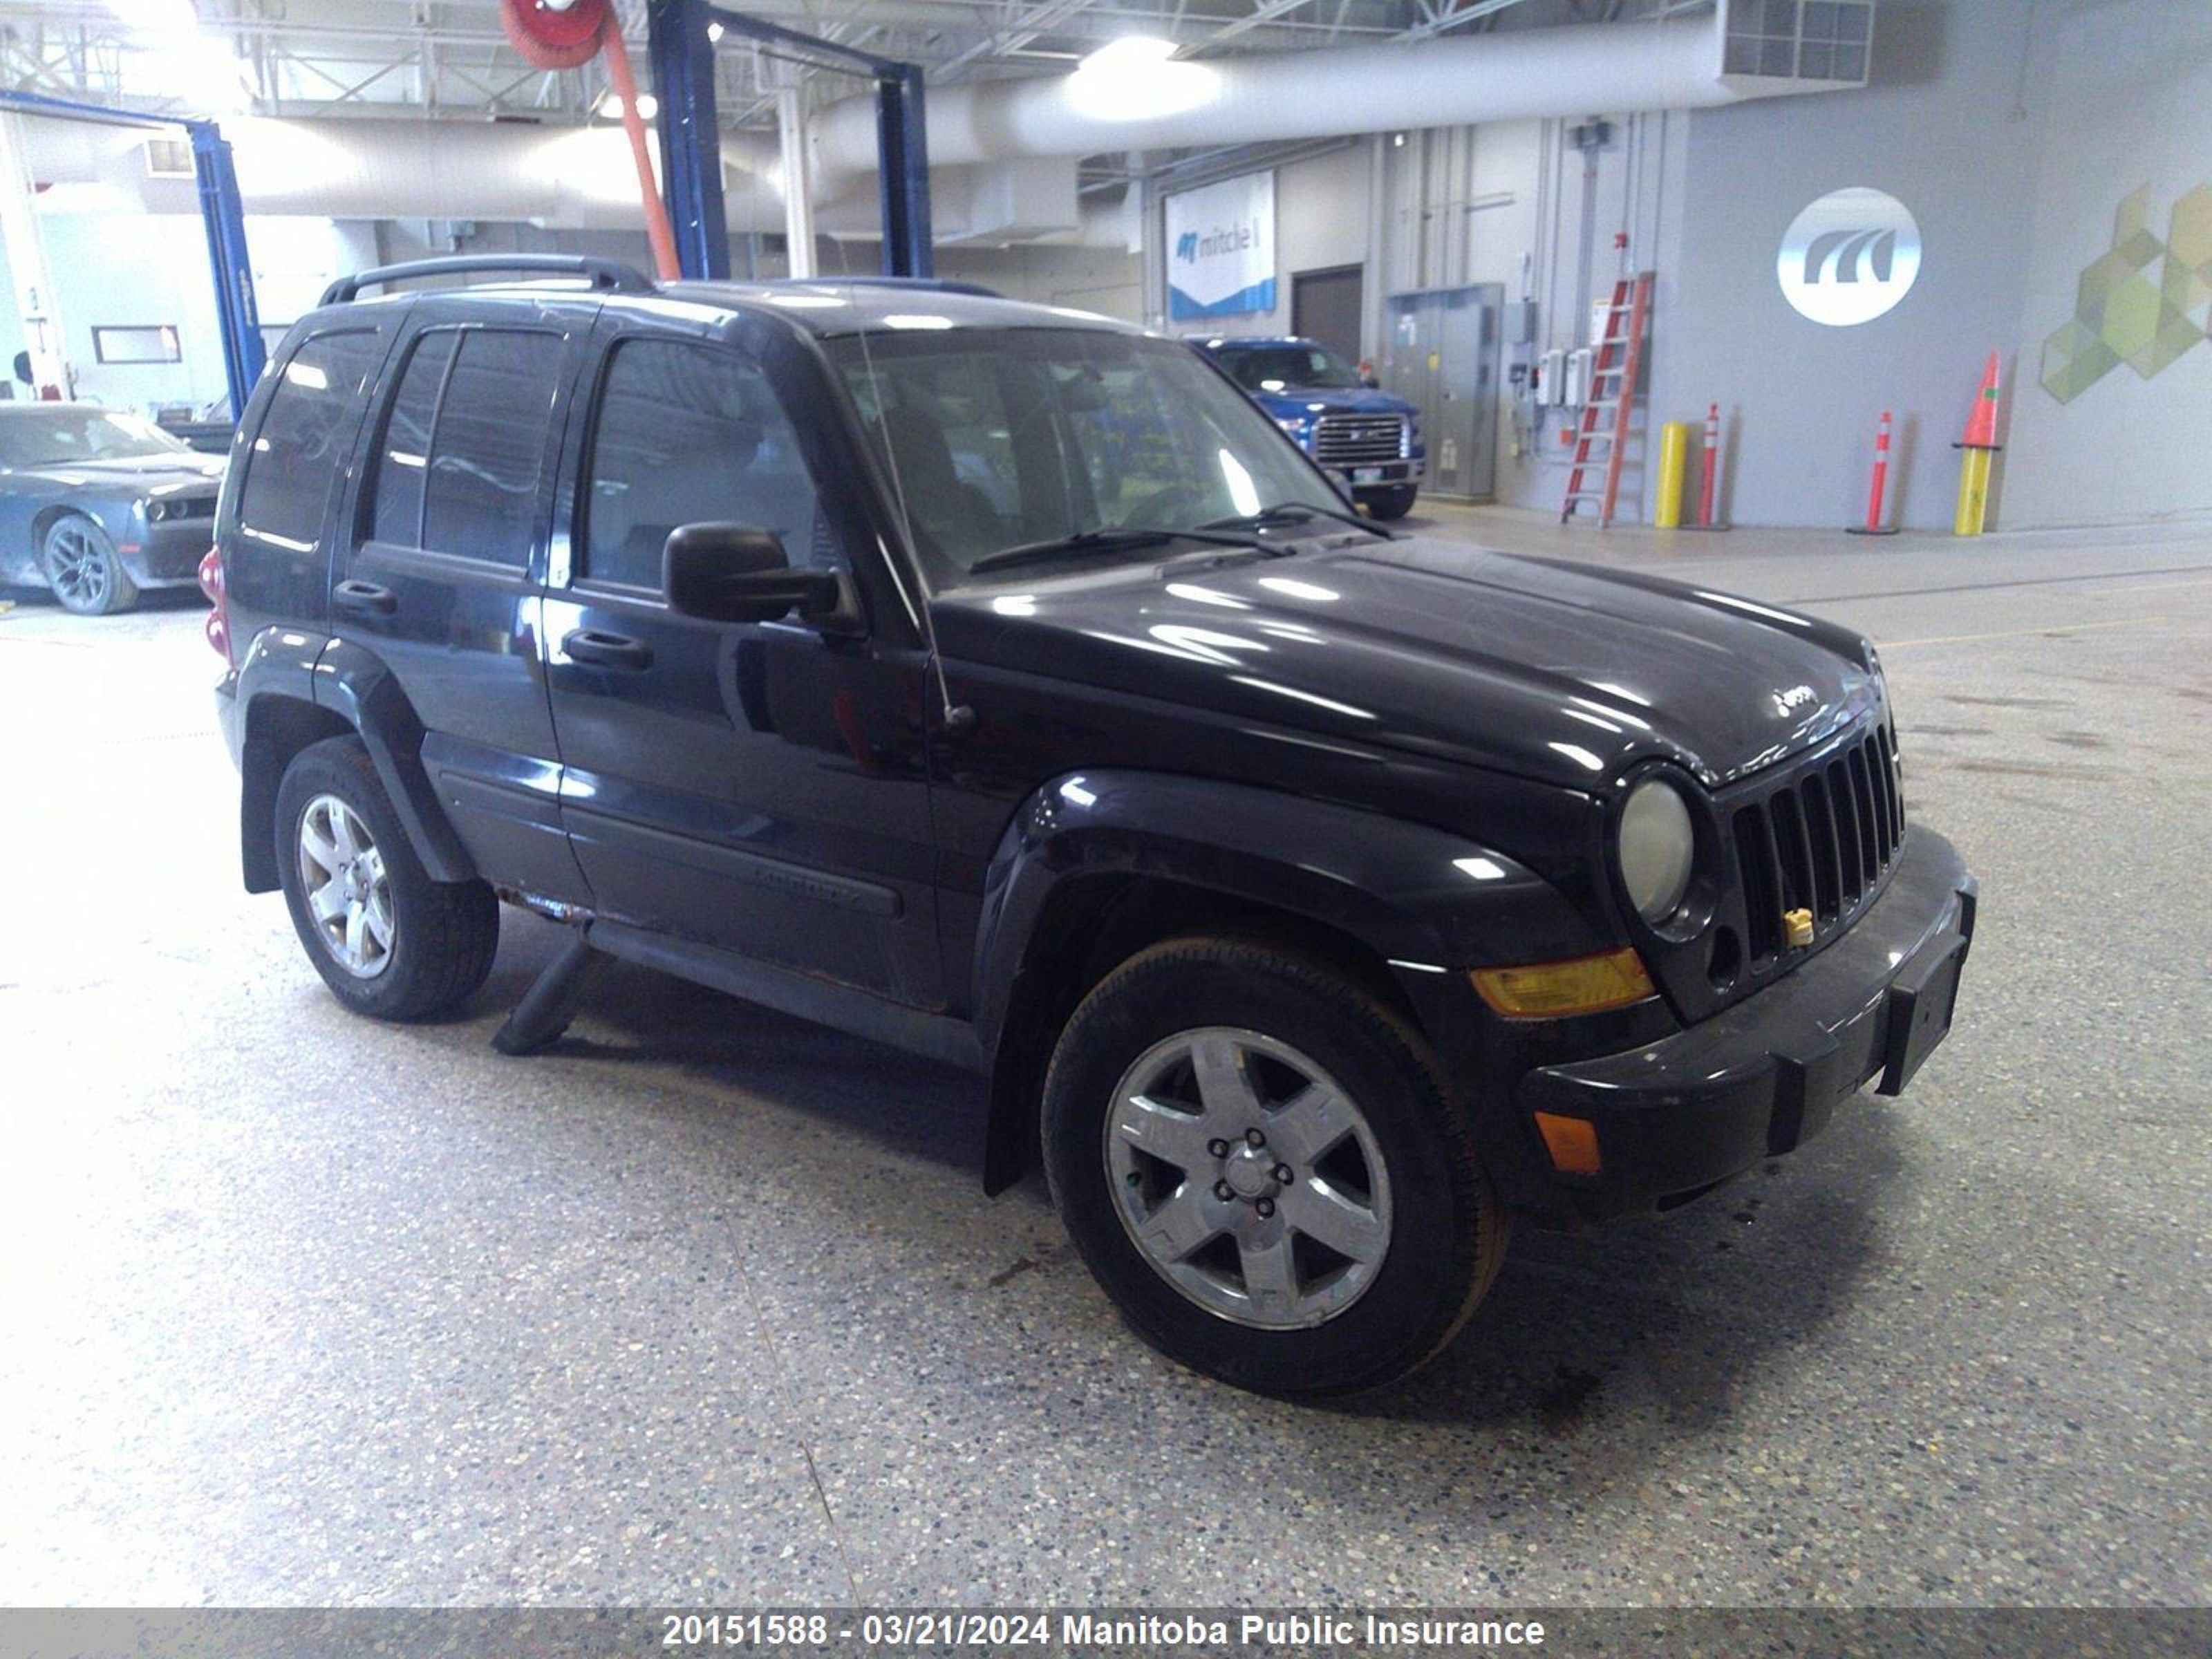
1392 503
1406 1172
83 568
436 941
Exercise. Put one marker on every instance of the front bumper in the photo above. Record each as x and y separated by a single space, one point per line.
1689 1111
1379 475
166 555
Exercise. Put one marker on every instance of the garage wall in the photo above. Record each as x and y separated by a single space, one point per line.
128 268
1107 280
1458 206
1318 223
1518 204
1941 129
2124 93
11 332
152 268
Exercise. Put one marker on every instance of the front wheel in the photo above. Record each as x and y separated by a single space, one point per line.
1394 502
388 940
1259 1160
83 568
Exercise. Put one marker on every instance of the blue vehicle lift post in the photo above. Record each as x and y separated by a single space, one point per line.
690 143
222 212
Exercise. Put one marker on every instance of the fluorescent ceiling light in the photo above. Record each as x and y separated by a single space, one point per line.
1130 53
195 69
1137 77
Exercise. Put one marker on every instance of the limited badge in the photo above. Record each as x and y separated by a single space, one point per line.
1798 926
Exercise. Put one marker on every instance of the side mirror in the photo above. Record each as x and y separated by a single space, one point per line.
734 573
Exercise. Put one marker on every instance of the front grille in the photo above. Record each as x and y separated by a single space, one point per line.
1820 839
1358 439
171 556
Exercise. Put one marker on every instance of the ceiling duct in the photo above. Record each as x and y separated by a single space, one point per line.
1508 75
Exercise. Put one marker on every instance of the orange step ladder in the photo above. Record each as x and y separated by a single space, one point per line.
1613 374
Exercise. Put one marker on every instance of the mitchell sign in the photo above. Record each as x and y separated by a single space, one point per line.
1221 249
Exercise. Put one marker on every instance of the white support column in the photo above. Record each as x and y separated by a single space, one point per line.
797 181
36 300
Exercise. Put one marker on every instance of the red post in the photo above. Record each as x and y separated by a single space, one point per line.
1873 526
1711 466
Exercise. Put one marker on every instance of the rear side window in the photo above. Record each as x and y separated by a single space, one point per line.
489 444
692 435
464 442
403 458
304 438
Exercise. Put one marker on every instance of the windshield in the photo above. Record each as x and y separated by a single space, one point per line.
1010 437
1282 367
66 433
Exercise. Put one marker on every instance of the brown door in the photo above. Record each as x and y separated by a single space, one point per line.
1325 305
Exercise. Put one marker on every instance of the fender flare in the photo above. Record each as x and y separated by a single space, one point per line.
355 683
1427 901
272 687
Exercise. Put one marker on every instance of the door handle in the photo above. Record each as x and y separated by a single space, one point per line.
607 650
365 597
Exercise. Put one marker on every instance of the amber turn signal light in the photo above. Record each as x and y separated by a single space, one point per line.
1580 985
1571 1141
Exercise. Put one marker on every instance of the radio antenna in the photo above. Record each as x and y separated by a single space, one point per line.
958 716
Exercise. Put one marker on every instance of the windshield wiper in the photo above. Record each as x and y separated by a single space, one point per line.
1296 512
1105 539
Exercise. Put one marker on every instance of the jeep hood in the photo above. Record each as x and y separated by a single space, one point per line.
1561 673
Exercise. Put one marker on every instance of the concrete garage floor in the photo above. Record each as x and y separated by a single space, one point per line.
708 1306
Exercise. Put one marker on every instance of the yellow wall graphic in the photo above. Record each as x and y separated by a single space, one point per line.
2122 316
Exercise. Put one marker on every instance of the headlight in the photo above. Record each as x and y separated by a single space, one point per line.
1292 425
1658 849
157 509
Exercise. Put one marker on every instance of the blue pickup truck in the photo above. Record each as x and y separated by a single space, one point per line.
1367 440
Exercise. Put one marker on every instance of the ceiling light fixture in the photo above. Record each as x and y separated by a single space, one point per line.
1138 76
1127 54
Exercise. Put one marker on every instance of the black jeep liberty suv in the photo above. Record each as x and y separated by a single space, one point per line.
996 681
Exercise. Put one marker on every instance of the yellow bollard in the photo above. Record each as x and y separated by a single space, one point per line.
1674 467
1974 491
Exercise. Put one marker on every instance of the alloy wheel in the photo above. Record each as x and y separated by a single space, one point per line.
77 567
348 892
1247 1178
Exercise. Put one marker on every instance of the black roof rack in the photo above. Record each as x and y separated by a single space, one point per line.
600 273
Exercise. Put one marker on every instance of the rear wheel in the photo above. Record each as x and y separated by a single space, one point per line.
1258 1159
1394 502
388 940
84 569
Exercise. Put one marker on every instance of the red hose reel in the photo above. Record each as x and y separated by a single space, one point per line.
562 34
554 37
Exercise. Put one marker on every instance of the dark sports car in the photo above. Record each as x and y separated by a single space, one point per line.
98 505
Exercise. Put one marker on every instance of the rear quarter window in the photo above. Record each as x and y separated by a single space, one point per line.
304 438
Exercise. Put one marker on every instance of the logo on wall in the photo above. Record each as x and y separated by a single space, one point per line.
2121 316
1221 242
1848 257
